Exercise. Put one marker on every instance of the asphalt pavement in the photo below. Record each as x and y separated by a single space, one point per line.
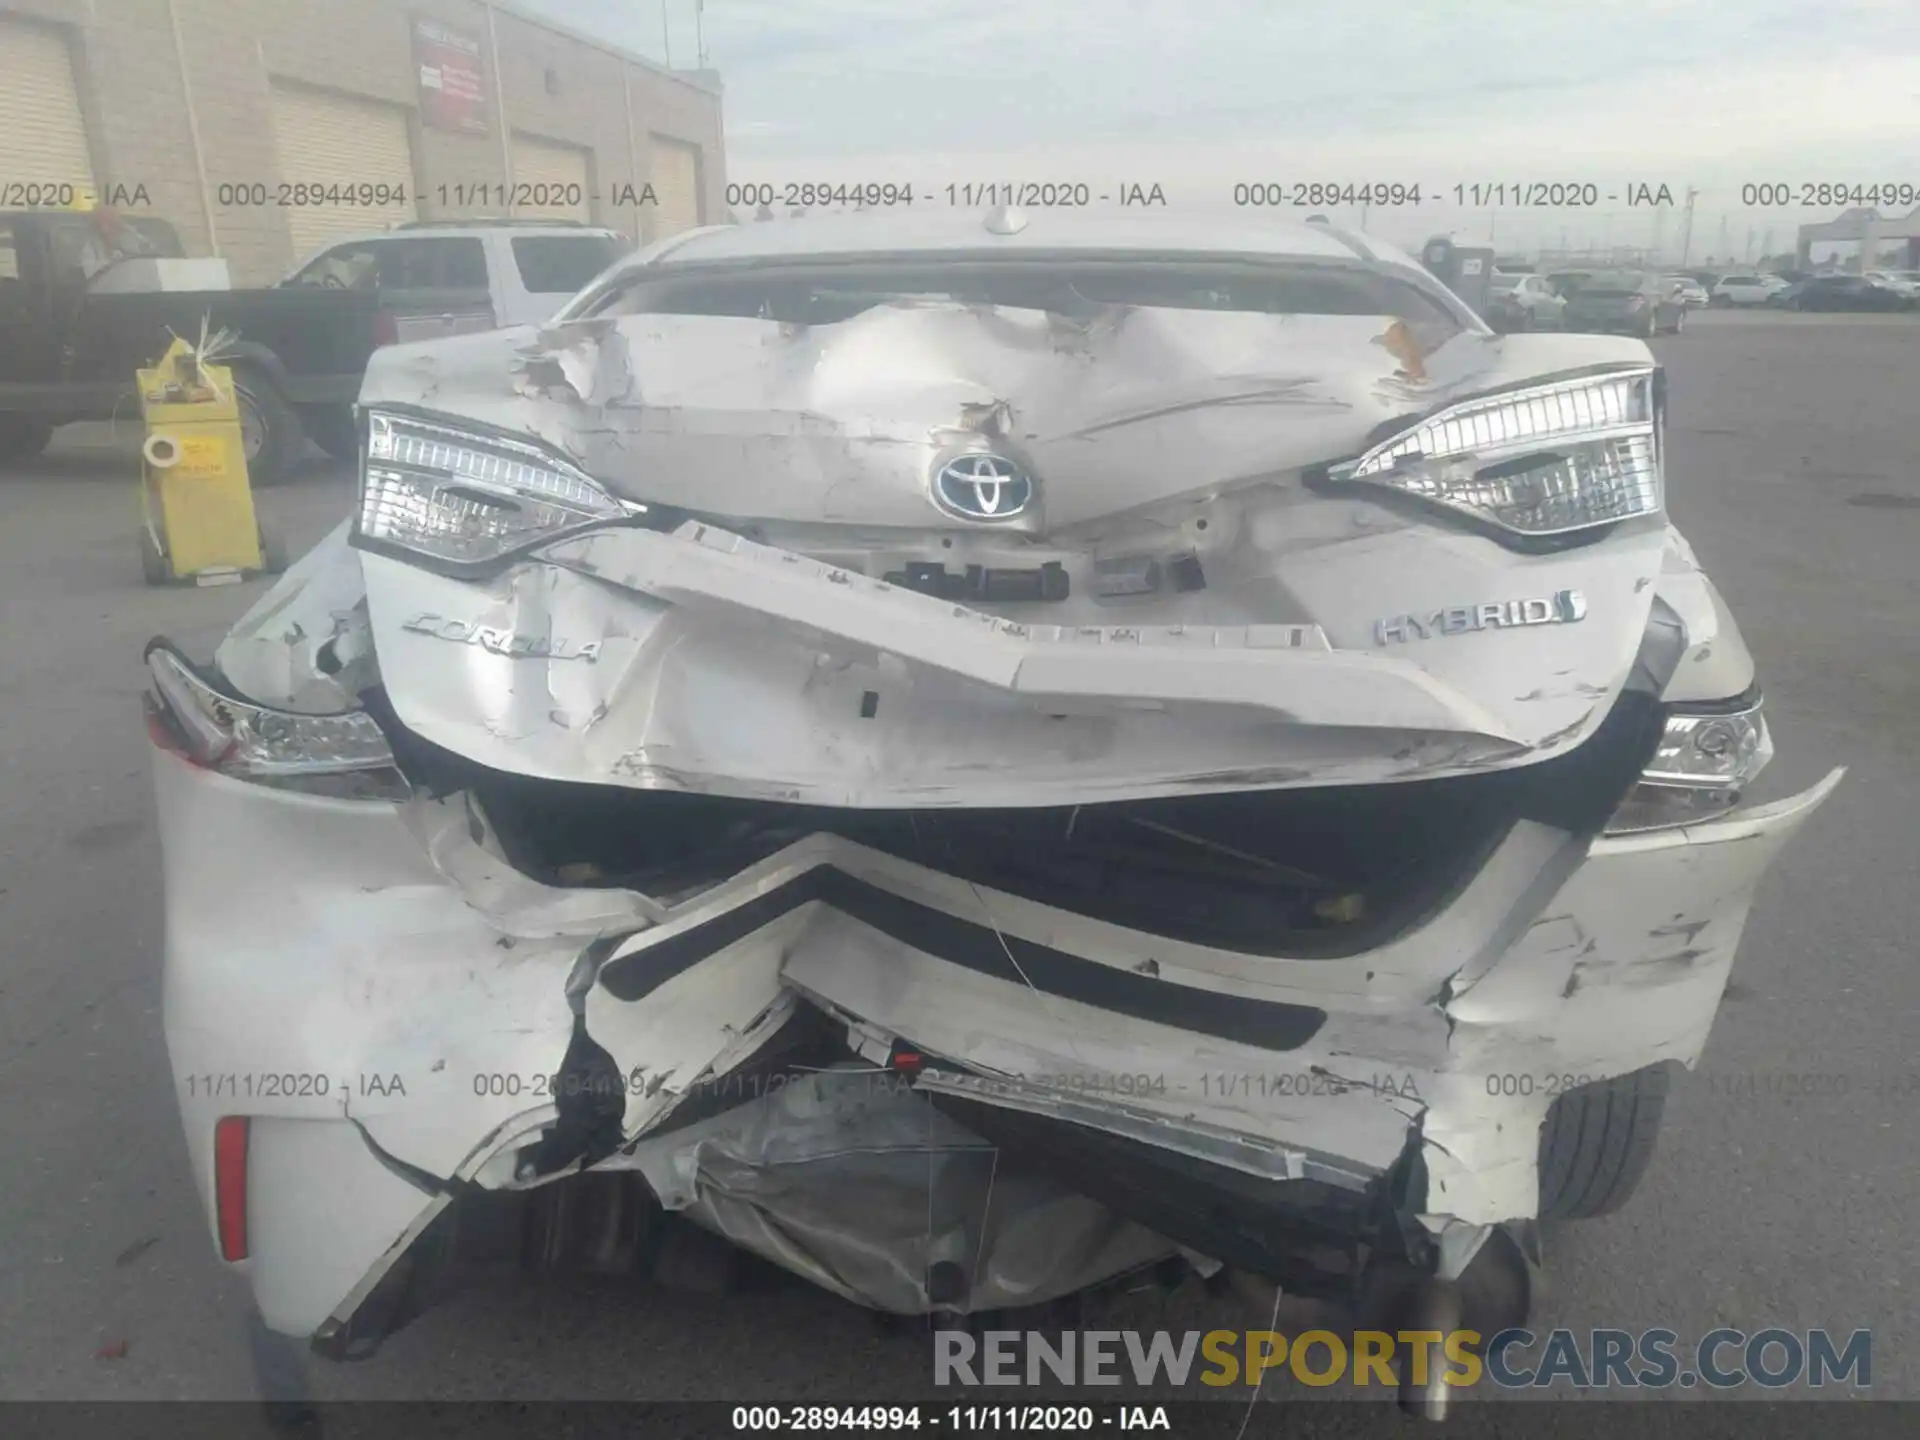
1794 469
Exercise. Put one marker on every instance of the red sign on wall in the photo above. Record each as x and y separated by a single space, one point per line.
453 86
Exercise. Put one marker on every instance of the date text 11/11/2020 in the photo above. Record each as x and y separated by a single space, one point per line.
291 1085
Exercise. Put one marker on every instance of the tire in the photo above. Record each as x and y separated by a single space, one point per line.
273 550
1597 1142
153 565
332 428
274 443
22 439
1436 1307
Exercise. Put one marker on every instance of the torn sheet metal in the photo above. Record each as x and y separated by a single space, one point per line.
766 654
1618 963
851 1180
1134 407
702 661
306 644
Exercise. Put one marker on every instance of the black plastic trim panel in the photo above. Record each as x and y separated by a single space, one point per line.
1264 1024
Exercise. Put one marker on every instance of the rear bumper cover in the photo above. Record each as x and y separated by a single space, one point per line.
390 1002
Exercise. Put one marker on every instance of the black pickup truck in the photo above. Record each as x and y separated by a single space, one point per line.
68 351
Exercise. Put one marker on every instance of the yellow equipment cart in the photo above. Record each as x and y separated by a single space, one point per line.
195 499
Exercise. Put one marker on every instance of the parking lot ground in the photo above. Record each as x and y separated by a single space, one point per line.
1794 469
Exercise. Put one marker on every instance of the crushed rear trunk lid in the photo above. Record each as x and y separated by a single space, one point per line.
781 624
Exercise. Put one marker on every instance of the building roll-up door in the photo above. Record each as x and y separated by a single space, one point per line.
676 185
550 181
43 139
345 150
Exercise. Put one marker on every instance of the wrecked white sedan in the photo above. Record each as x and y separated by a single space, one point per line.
967 759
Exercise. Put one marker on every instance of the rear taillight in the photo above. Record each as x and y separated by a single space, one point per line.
344 755
230 1185
386 328
1706 758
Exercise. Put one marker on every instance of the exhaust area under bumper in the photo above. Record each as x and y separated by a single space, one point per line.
791 1057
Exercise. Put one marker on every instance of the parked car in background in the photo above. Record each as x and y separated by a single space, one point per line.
84 306
482 274
1689 290
1524 302
1746 289
1564 282
443 278
1626 302
1843 292
75 330
1904 282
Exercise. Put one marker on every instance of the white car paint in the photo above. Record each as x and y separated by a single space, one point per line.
1904 282
372 961
369 941
1746 289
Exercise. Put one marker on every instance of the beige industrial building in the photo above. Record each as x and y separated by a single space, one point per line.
263 129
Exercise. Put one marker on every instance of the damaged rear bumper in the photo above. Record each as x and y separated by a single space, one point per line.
407 1020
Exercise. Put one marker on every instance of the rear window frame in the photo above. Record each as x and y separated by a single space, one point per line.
1443 317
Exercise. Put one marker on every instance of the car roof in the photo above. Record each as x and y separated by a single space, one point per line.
455 230
951 230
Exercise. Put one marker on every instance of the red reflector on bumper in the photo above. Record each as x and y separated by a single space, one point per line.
230 1185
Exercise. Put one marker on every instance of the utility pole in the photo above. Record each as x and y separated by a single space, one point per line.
1726 245
666 35
700 32
1686 232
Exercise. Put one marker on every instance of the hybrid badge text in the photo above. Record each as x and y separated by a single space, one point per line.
1563 607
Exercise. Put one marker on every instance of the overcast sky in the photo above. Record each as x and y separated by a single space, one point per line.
1197 96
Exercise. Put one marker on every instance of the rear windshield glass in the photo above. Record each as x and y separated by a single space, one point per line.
561 264
824 294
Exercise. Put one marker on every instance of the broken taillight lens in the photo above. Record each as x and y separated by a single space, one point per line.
230 1135
463 499
343 755
1705 759
1550 459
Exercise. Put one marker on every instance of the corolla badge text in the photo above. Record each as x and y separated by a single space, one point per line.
1563 607
501 641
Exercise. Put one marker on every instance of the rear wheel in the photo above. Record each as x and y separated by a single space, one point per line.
273 549
331 427
1597 1142
269 430
153 561
22 438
